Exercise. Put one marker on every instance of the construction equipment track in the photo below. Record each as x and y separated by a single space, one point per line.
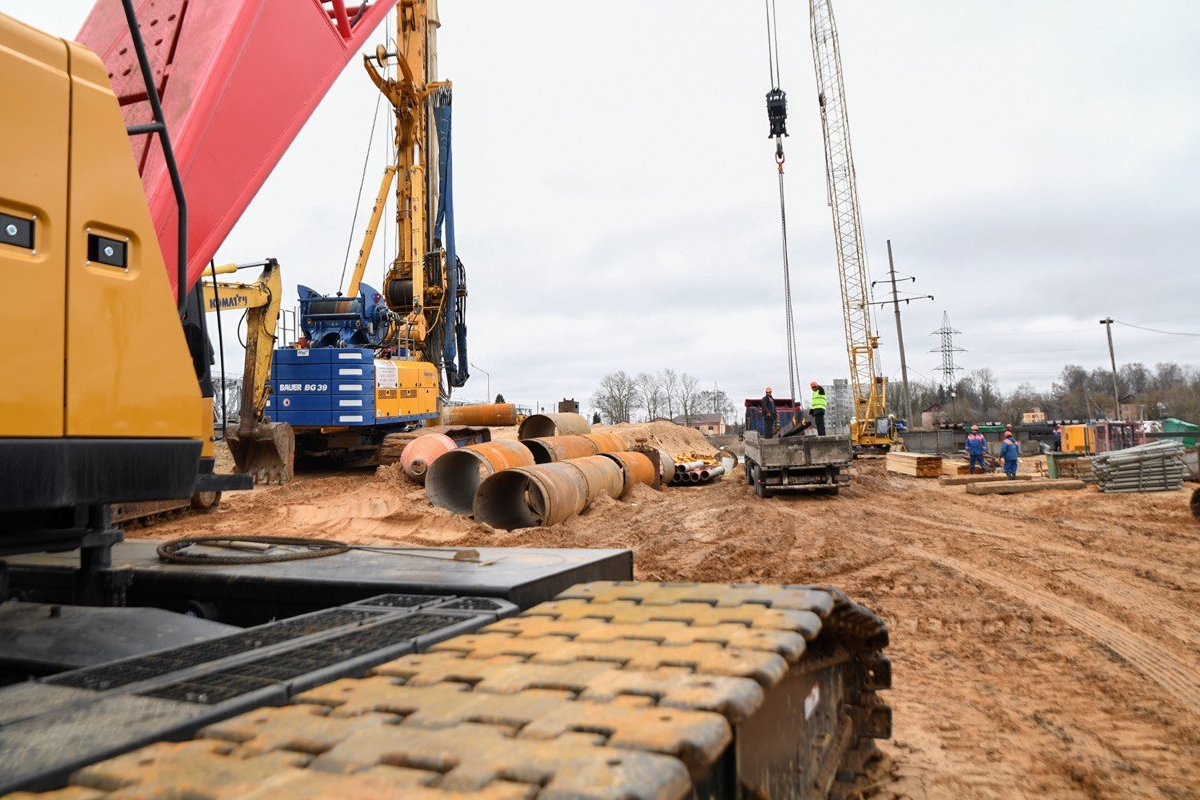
622 690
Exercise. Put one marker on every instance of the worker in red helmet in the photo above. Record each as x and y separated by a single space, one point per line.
770 416
817 406
1009 451
976 448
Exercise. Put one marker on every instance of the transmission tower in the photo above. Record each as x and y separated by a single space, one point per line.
947 349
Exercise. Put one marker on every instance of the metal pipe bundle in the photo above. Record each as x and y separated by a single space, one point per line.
1155 467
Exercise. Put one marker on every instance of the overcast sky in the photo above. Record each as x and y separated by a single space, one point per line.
1035 165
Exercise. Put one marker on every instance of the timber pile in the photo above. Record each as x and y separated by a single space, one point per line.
1155 467
920 465
960 480
1015 487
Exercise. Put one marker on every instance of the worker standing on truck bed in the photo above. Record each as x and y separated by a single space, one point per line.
817 407
976 447
769 415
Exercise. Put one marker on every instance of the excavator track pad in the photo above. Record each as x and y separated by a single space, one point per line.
611 690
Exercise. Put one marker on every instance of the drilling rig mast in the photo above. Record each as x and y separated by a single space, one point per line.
871 428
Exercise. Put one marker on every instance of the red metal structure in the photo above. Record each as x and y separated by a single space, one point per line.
238 79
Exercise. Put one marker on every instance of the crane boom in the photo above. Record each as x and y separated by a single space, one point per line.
870 428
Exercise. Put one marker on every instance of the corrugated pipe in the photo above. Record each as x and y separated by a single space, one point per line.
546 494
453 479
566 423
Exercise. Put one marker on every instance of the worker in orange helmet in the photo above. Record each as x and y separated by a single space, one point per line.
769 415
817 406
1009 451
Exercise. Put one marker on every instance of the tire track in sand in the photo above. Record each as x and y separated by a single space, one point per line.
1178 678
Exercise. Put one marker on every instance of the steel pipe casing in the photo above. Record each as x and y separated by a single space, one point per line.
636 468
453 479
603 476
486 414
540 425
549 449
532 496
607 442
422 451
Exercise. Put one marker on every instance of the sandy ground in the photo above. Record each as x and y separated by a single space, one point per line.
1043 645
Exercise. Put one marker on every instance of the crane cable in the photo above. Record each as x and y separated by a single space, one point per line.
777 115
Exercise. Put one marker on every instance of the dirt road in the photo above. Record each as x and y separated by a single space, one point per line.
1043 645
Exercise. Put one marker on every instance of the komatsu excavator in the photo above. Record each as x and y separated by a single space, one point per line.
251 666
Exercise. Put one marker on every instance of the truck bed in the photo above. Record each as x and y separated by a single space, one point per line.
797 463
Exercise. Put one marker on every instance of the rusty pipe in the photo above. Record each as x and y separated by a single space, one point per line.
688 466
532 496
564 424
607 442
454 478
635 468
603 476
422 451
486 414
548 449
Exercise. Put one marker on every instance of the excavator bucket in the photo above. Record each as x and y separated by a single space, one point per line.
267 451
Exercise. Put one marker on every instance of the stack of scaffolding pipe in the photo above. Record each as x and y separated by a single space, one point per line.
453 479
1155 467
695 472
546 494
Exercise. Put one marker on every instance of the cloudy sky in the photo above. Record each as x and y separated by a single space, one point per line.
1035 165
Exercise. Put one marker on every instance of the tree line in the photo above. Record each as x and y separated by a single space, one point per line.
667 394
1167 390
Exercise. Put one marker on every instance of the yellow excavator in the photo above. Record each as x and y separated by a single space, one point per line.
261 448
108 691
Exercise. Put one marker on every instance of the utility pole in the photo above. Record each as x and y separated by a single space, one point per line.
1107 323
908 415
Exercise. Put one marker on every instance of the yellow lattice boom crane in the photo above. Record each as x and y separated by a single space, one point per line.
871 428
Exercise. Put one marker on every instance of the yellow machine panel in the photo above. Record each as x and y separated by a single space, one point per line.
130 372
405 388
1078 439
33 216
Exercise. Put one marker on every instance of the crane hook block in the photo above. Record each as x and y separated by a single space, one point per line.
777 112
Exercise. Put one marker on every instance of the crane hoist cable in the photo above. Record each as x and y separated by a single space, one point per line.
777 116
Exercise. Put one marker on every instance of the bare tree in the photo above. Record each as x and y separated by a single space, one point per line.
688 395
616 397
668 380
650 394
984 383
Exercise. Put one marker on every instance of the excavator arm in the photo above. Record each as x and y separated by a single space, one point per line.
259 447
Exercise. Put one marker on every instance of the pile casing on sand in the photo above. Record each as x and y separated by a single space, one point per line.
453 479
422 451
548 449
488 414
546 494
538 425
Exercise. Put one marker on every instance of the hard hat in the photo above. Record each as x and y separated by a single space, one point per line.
974 427
1008 434
768 390
813 385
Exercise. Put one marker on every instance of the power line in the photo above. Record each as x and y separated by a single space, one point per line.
1154 330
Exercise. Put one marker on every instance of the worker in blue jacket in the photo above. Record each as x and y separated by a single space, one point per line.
976 447
1009 452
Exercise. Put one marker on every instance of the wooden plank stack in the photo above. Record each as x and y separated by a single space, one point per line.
920 465
955 466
